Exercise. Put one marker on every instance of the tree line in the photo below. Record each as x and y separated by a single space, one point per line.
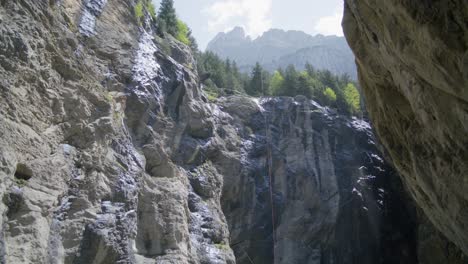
331 90
223 77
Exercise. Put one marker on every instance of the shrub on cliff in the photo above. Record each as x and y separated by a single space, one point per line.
182 32
151 9
138 9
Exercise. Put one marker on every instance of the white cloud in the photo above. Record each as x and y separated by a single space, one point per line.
331 25
253 15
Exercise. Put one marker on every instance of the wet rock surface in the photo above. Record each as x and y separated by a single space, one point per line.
90 124
412 65
110 153
335 200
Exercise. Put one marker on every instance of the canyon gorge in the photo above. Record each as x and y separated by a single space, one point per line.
112 152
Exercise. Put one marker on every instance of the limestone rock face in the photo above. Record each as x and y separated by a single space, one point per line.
92 115
331 197
413 66
111 153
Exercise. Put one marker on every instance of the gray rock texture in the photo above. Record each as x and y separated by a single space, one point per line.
413 67
333 197
111 153
92 114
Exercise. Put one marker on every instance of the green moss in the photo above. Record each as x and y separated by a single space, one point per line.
20 182
212 95
109 97
117 116
222 246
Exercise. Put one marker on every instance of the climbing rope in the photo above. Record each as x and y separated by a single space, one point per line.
269 163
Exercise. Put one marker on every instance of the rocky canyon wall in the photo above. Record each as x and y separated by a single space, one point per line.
111 153
92 116
413 67
334 198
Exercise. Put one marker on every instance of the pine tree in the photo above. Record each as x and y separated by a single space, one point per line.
304 83
257 82
290 81
328 79
193 42
230 80
310 70
235 70
167 17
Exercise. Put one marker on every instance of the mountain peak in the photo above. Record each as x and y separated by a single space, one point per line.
236 36
278 47
237 31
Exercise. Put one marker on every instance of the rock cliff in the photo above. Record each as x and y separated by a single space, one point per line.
92 116
110 153
413 67
331 197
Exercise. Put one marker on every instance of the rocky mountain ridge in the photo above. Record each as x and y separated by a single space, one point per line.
278 48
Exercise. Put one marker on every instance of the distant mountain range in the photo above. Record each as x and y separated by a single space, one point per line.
279 48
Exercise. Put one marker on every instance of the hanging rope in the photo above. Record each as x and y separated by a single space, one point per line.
269 163
248 257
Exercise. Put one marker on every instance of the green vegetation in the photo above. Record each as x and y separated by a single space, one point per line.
182 32
212 95
20 182
258 83
193 42
140 8
330 95
169 23
320 85
139 11
224 75
222 246
277 81
352 98
151 9
167 18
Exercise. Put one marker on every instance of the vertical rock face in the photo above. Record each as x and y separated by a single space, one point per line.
413 67
110 153
93 114
334 198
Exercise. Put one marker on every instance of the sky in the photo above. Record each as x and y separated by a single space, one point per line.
207 18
